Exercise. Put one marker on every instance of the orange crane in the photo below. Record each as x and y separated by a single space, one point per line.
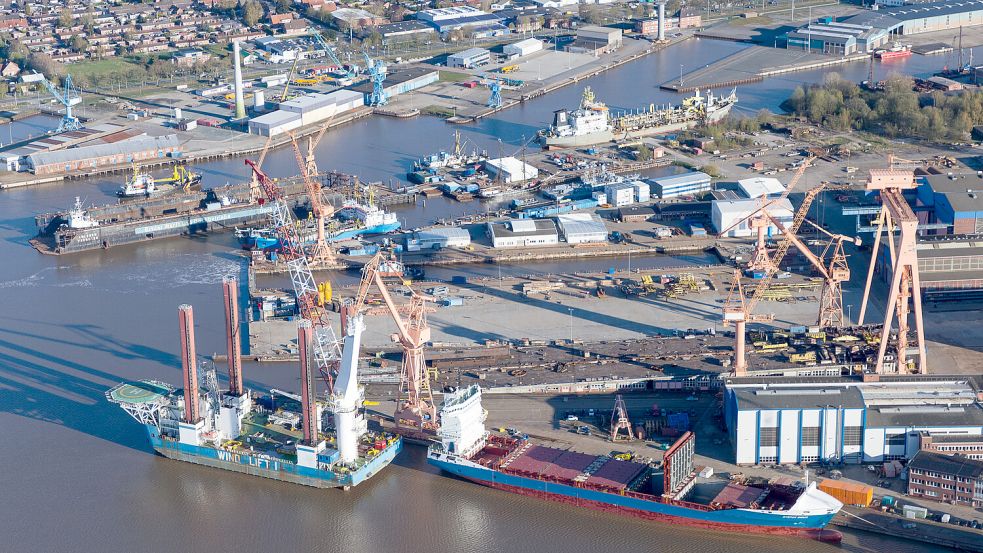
905 287
758 220
415 416
737 311
320 252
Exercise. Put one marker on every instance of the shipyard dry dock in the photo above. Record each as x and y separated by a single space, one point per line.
179 214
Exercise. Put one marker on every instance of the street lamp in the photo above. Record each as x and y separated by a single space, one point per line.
849 313
570 309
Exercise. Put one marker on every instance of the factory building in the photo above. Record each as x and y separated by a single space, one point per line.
470 58
921 18
593 39
836 38
479 23
103 155
523 48
756 187
951 479
582 228
305 110
681 185
400 82
955 200
950 267
636 214
438 238
519 233
274 123
624 193
726 213
842 419
510 169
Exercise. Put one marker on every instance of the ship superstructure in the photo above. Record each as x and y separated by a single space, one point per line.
671 491
592 123
295 438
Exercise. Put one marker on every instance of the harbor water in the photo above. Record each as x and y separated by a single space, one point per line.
77 474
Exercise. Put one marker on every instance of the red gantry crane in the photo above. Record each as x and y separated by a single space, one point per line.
737 311
416 416
905 286
327 351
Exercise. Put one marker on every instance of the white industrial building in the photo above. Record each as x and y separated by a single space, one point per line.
756 187
469 59
682 184
305 110
727 213
624 193
438 238
519 233
822 419
274 123
523 47
510 169
581 228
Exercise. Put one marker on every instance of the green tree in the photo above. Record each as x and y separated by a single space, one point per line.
283 6
66 18
79 44
251 12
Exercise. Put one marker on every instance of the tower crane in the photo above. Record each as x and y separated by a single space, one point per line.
320 252
759 221
415 414
377 72
68 96
327 351
737 311
905 286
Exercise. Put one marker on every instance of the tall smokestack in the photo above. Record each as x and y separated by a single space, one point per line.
662 21
305 344
189 363
233 340
240 101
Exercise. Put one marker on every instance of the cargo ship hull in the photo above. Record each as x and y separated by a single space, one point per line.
730 520
270 468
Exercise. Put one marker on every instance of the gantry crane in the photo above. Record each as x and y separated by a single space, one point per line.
377 72
905 283
737 311
415 414
495 100
327 351
320 252
758 220
619 421
67 97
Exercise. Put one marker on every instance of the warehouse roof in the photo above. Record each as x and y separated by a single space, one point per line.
574 224
275 118
513 166
308 102
136 144
947 464
963 191
806 397
693 177
888 18
778 208
442 232
925 415
523 227
955 438
404 27
470 53
529 42
396 78
755 187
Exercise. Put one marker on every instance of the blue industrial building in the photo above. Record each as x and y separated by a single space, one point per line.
845 420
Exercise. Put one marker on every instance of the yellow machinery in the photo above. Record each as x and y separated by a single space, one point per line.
509 68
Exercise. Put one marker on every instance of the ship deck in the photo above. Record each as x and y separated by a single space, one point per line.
604 473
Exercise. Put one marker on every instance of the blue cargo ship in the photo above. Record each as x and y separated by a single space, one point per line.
672 491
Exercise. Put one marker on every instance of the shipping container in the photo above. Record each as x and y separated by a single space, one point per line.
913 511
848 492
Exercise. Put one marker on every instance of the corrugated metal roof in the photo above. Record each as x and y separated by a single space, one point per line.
778 208
443 232
683 179
579 224
755 187
275 118
470 53
138 144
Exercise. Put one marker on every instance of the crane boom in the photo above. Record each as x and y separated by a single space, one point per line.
327 351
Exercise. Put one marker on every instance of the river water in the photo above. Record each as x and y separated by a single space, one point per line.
77 474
